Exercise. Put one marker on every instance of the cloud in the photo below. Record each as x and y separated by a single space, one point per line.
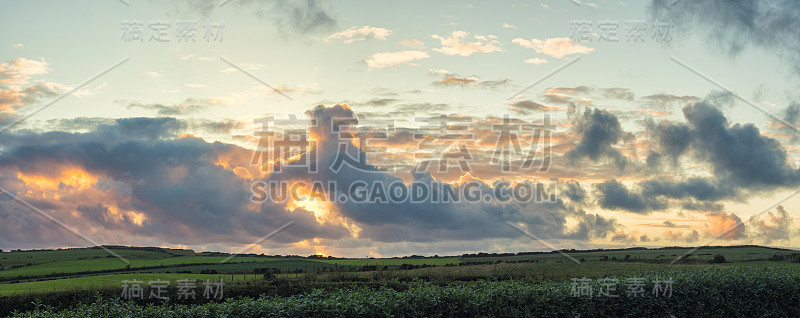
19 69
772 227
724 226
188 106
378 102
739 153
699 188
599 131
555 47
673 225
688 237
413 43
629 238
16 97
182 190
450 79
525 107
355 34
304 17
664 101
509 26
742 161
613 195
382 60
672 139
406 221
153 74
18 90
458 44
768 24
574 192
290 18
535 61
422 107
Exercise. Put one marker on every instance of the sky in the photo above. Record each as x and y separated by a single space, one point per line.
153 123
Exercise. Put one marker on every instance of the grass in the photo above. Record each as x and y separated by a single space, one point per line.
24 258
100 264
103 281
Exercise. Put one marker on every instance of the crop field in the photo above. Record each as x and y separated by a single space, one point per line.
691 293
77 282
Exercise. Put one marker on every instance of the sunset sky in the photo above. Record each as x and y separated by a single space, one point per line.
676 139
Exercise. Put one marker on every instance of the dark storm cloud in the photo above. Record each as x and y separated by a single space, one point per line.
741 159
599 131
428 220
739 153
735 25
791 115
653 160
673 139
703 189
186 196
613 195
573 191
190 194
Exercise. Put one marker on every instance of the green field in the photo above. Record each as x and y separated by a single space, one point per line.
13 258
68 267
102 281
64 278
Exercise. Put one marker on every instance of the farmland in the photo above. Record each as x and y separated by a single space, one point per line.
75 278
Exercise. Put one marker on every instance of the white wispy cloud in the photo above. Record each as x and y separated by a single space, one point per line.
355 34
555 47
535 60
458 44
388 59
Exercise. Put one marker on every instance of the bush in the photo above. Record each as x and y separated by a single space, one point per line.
719 259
